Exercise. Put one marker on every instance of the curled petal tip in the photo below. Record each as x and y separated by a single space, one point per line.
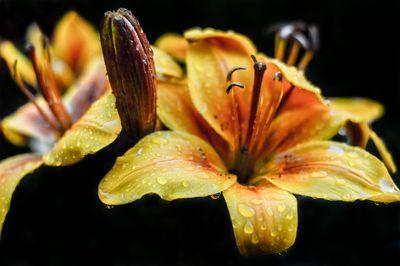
130 67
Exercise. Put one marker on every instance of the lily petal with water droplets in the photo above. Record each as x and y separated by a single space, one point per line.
212 54
332 171
11 55
12 170
174 165
98 128
174 44
166 66
264 218
358 109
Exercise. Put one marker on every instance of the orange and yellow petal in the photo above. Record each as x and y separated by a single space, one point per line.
27 123
295 76
75 41
264 218
62 71
175 109
212 54
358 112
174 44
12 170
173 165
231 39
358 109
299 125
359 133
24 67
383 151
332 171
166 66
98 128
90 86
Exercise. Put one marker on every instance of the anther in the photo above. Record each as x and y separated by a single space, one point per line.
278 76
233 70
301 35
314 37
253 58
258 66
312 48
234 84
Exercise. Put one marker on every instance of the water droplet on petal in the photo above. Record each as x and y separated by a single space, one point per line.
289 216
263 227
246 211
319 174
161 180
159 140
216 196
386 187
336 150
340 182
346 197
248 227
281 208
256 201
255 239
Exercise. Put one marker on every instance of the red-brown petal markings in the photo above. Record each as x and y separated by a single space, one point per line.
130 68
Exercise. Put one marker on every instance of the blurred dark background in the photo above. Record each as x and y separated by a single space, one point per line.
57 219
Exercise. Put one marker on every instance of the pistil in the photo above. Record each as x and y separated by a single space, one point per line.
245 151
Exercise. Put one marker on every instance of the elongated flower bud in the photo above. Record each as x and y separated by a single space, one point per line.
130 67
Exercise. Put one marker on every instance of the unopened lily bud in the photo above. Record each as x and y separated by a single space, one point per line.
130 67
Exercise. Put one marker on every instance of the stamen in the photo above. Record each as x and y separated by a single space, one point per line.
48 86
305 60
234 84
278 76
280 50
17 78
294 51
312 49
299 40
295 31
230 73
283 34
314 37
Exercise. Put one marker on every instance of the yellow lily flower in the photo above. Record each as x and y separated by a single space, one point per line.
256 146
61 128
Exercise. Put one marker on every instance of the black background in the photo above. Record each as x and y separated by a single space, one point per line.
57 219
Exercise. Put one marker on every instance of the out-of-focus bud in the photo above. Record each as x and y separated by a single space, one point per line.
130 67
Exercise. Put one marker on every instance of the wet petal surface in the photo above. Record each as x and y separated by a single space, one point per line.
332 171
264 218
173 165
98 128
12 170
